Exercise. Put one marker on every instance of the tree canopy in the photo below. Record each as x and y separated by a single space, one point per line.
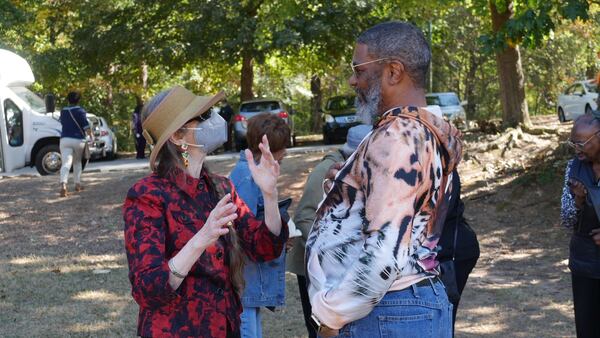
298 50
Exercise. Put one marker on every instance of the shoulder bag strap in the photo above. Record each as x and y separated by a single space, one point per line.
74 120
455 237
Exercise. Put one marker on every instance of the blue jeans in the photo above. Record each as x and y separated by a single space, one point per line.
417 311
251 326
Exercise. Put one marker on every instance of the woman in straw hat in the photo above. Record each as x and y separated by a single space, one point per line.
186 230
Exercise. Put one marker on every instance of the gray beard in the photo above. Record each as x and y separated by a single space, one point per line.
368 110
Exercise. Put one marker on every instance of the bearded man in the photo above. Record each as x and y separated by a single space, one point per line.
371 254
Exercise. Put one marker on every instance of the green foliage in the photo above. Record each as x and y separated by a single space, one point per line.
113 51
533 21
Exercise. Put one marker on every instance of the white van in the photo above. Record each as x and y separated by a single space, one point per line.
29 129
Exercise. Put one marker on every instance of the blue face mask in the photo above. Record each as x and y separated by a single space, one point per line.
210 134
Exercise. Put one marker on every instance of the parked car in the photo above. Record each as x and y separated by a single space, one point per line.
452 108
255 107
105 140
338 117
578 99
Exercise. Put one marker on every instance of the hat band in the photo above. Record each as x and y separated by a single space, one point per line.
148 137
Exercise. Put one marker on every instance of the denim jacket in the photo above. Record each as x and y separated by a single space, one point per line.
265 282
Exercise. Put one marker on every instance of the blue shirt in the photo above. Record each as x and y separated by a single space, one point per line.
69 127
265 282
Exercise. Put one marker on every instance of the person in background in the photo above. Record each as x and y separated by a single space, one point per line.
580 209
136 126
75 127
307 208
187 231
459 243
226 113
265 282
458 240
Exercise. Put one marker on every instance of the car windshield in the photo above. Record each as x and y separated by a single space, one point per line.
35 102
94 120
443 100
591 87
340 103
262 106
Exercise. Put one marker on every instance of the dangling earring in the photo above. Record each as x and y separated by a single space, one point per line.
185 155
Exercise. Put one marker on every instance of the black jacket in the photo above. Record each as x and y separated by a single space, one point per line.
467 246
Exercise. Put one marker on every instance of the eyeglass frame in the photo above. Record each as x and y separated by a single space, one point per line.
353 66
581 145
204 116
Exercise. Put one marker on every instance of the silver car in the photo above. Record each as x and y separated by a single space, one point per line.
105 140
255 107
452 108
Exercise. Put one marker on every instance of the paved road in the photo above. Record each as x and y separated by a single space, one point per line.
133 164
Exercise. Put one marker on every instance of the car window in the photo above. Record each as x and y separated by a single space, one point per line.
14 123
591 87
578 89
569 90
433 100
339 103
256 107
35 102
449 100
93 120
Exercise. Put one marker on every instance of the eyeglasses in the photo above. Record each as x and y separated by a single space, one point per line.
203 117
353 66
580 145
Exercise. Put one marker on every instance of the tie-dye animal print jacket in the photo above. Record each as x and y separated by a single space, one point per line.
376 230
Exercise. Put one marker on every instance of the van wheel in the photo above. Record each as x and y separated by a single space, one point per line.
48 160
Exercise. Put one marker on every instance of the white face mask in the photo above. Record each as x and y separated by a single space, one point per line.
210 134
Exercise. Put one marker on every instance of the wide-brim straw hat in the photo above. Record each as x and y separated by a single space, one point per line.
178 107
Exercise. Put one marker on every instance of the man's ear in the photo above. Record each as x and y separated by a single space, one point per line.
395 72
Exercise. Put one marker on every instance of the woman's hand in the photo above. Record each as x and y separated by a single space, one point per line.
216 224
265 174
579 192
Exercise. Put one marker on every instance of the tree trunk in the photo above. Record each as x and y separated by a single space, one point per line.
144 77
470 85
247 77
315 102
109 88
512 83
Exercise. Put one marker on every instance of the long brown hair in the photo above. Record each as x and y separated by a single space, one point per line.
170 159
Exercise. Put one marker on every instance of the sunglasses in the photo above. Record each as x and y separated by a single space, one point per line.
203 117
580 145
354 66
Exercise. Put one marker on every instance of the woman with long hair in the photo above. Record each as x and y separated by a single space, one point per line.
186 230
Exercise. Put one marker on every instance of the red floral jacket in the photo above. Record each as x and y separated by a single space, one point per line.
161 215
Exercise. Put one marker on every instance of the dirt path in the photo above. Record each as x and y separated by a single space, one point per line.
63 271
